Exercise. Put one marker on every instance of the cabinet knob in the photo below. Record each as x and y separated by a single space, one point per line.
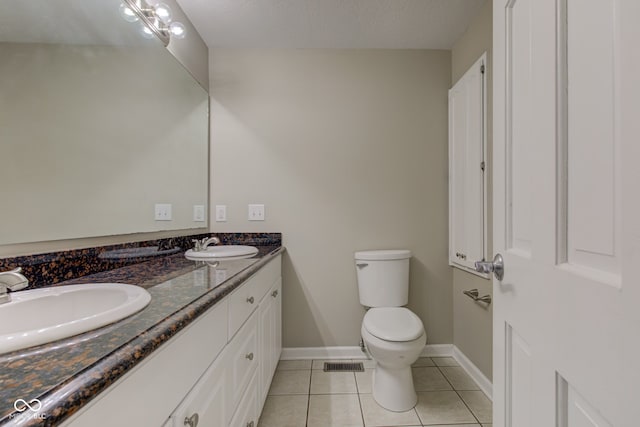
192 421
249 356
274 293
250 424
250 300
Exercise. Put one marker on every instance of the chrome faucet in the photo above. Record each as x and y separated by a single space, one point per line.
201 245
11 281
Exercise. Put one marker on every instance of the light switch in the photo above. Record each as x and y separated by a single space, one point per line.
163 212
198 213
221 213
256 212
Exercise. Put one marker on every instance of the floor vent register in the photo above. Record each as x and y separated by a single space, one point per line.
343 367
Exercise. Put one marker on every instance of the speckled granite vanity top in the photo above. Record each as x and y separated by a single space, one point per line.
66 374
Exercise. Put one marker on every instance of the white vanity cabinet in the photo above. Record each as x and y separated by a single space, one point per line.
215 373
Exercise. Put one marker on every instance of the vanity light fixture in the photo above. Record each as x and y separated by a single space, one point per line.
155 19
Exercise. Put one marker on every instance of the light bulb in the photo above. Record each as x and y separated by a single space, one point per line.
146 32
177 30
163 12
127 13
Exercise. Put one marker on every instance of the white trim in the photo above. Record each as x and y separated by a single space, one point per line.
291 353
437 350
483 382
354 352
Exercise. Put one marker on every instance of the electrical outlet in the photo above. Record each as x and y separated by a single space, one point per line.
198 213
163 212
221 213
256 212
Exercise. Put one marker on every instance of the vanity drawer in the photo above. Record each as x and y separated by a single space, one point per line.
266 277
241 360
242 302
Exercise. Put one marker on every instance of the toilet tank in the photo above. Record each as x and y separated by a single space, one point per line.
383 277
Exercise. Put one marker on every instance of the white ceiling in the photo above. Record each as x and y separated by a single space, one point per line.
393 24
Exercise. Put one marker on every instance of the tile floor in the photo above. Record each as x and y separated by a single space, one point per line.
303 395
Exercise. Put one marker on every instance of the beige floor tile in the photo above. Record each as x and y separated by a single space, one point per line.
290 382
363 380
479 404
292 365
375 415
284 411
453 425
429 379
458 378
332 382
442 407
319 363
423 361
334 410
445 361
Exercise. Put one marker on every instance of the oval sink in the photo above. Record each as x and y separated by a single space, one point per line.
43 315
222 253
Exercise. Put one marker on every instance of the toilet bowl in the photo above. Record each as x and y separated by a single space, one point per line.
395 337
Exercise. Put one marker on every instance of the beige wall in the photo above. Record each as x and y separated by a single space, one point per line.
348 151
472 323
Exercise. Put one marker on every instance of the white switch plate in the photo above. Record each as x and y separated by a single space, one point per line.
221 213
198 213
163 212
256 212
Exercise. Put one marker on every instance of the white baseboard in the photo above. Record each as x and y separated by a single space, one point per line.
437 350
483 382
354 352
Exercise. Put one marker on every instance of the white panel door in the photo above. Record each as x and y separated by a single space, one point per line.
566 192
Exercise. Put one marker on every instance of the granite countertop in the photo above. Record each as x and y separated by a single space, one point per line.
67 374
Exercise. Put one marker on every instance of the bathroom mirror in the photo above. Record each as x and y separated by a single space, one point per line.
97 125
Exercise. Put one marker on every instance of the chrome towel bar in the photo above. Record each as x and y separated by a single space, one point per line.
473 294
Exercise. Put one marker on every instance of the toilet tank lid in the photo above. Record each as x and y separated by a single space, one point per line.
382 255
397 324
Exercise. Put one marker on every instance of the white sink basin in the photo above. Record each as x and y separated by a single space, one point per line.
43 315
222 252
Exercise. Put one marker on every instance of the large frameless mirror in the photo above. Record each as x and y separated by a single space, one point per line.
98 124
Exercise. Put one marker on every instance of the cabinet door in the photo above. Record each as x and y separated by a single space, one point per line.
467 199
266 328
276 294
247 413
205 405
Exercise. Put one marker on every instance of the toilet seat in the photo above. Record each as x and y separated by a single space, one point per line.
396 324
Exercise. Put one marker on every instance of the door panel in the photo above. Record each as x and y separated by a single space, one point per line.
566 212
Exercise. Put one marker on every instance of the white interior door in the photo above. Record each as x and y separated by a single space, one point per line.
567 212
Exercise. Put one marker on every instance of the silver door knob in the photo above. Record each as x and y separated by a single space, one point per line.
192 421
496 266
250 300
249 356
274 293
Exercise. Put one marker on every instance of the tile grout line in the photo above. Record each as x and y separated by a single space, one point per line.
458 394
306 423
360 401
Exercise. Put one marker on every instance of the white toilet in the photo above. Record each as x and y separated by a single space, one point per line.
393 334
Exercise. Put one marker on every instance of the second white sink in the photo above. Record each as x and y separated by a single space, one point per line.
222 252
43 315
